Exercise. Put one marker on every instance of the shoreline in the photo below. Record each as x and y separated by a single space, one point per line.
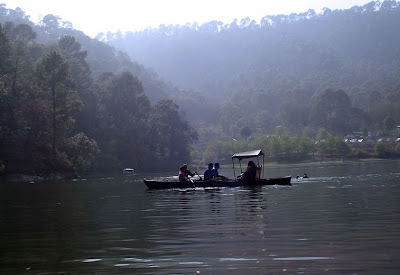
25 178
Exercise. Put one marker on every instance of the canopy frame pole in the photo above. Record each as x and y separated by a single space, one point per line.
263 168
233 167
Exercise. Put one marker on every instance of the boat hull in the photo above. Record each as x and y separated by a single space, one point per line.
162 184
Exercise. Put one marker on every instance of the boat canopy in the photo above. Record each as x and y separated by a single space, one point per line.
246 155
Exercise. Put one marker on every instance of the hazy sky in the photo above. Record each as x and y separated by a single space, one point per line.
97 16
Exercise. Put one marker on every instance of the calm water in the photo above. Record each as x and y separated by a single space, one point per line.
344 219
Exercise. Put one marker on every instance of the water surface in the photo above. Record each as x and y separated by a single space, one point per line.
344 219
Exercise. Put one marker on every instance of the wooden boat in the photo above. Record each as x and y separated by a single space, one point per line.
222 182
170 184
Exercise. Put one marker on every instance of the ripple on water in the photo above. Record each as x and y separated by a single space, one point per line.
91 260
303 258
237 259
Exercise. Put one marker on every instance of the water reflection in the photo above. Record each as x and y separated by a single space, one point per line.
343 219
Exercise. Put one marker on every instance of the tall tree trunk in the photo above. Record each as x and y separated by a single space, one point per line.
53 92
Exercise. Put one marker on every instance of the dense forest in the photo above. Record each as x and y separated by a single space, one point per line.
276 71
337 71
293 85
70 103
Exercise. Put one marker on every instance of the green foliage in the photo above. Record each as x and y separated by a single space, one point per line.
123 111
387 149
4 54
219 151
314 77
382 149
388 124
245 132
170 136
54 79
333 146
81 151
331 109
275 78
42 91
275 146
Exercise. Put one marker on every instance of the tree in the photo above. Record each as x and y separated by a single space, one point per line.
388 125
382 149
245 132
79 69
5 49
229 115
81 151
333 146
123 111
170 135
331 109
51 22
294 116
304 145
21 32
20 38
81 74
54 79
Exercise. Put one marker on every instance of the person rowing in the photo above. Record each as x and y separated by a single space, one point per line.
187 171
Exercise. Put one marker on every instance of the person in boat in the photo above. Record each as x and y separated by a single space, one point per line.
208 174
215 172
249 176
187 171
182 177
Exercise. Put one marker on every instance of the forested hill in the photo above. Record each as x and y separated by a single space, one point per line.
100 56
354 48
71 103
280 60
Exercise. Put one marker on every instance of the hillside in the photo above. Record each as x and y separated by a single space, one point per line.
268 69
74 104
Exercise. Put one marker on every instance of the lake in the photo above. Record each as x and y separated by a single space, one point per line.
343 219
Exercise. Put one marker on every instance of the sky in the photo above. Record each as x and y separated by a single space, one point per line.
93 17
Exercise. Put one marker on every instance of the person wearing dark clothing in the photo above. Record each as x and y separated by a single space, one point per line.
208 174
187 171
215 170
249 175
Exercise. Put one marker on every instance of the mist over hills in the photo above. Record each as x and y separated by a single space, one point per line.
267 68
355 48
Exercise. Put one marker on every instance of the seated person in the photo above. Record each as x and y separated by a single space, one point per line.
187 171
208 174
249 176
182 177
215 172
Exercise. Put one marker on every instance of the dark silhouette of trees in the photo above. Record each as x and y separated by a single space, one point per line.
170 136
55 81
331 110
64 95
43 89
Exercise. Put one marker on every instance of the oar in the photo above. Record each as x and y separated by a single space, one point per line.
198 175
192 181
